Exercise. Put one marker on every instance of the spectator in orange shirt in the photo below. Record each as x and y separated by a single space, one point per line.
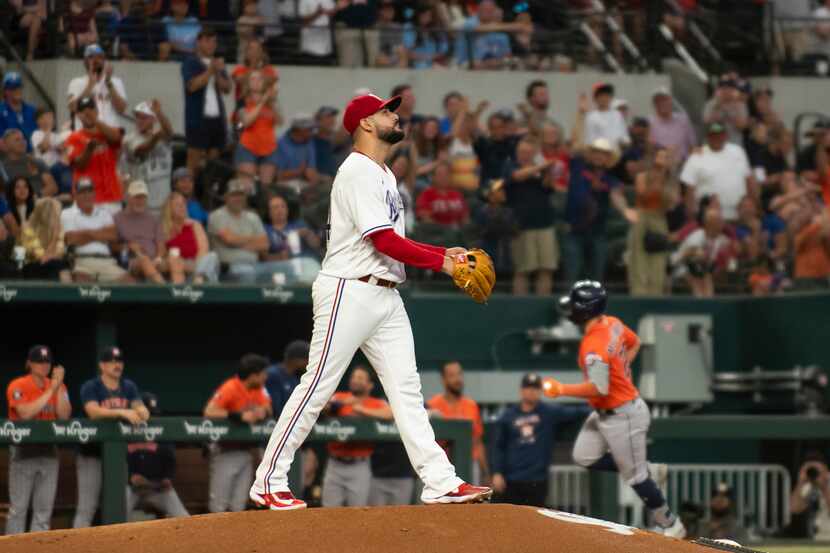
255 59
33 469
256 153
348 472
453 404
242 398
94 152
812 252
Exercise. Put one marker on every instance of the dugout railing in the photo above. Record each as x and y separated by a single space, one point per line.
114 437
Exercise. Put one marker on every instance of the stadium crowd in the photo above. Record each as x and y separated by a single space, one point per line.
636 197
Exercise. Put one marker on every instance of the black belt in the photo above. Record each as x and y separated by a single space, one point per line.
615 411
378 281
348 460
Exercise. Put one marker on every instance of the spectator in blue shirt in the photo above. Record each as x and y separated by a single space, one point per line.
108 396
138 35
324 141
205 81
293 248
296 155
590 191
453 103
423 44
525 436
181 31
485 41
284 377
183 183
14 112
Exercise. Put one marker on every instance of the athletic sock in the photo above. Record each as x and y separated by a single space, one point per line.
650 494
605 464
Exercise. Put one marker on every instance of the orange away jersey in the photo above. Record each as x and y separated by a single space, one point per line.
609 341
353 449
464 409
25 390
234 397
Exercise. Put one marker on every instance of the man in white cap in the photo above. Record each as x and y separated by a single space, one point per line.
141 236
99 83
149 154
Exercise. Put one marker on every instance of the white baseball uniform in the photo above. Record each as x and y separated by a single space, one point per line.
349 315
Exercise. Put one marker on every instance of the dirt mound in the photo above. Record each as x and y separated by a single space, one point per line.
420 529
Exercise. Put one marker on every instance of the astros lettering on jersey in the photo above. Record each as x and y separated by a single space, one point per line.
605 347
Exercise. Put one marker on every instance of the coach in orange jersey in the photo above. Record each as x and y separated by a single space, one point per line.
33 469
453 404
613 437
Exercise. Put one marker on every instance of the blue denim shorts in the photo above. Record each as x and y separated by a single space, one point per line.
244 155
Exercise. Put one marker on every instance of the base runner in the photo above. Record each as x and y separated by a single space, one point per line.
613 437
356 306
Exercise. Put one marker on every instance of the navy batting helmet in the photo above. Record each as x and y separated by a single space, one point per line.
586 300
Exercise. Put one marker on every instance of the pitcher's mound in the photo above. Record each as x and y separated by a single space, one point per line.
418 529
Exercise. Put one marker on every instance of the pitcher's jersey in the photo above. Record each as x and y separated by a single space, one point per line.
364 200
607 342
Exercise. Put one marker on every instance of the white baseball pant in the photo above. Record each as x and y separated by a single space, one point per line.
351 315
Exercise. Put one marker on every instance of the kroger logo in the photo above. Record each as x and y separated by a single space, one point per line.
206 429
336 430
7 294
149 433
95 293
75 430
386 429
187 293
263 429
9 430
277 293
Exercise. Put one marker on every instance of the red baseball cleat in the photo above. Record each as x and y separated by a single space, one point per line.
465 493
279 501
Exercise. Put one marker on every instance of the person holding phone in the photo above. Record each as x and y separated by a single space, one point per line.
101 85
33 469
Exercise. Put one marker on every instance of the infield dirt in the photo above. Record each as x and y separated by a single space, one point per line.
413 529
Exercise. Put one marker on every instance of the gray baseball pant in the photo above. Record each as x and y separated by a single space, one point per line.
166 501
391 491
623 434
231 474
89 490
32 481
347 484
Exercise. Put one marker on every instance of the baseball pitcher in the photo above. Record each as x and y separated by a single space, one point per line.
613 437
356 306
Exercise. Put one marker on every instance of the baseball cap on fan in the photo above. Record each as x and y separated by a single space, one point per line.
365 106
531 380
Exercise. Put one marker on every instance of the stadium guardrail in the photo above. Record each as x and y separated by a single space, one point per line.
114 437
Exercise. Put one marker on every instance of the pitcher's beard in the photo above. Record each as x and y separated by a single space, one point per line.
392 136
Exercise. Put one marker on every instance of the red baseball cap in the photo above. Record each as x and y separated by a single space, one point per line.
363 106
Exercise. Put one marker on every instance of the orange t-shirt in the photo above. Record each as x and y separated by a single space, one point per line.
609 340
812 258
259 137
353 449
101 168
233 396
25 390
463 409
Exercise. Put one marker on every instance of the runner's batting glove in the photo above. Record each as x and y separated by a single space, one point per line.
552 387
475 274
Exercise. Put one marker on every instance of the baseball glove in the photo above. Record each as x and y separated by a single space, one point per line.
474 274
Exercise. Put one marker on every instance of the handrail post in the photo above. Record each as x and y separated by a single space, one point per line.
114 484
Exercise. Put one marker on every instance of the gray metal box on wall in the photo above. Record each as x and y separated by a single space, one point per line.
676 358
